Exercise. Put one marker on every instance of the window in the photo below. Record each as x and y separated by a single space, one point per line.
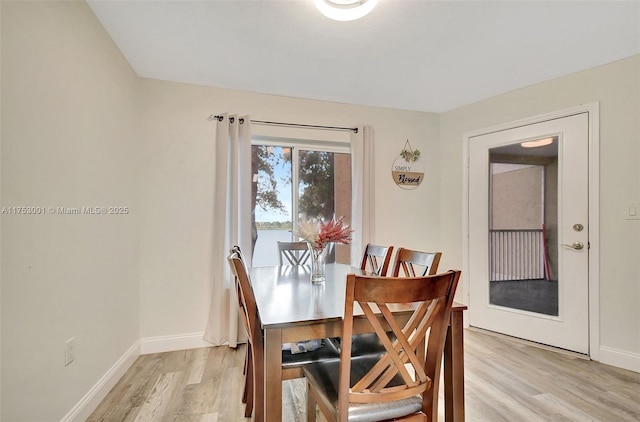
293 180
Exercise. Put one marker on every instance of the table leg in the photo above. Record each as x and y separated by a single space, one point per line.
454 370
273 375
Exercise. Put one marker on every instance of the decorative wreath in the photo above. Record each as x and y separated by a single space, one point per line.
408 153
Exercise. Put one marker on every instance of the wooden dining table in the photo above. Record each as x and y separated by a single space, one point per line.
292 309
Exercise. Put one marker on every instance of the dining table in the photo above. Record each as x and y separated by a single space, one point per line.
291 309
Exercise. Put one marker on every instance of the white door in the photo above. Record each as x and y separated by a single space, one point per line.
528 232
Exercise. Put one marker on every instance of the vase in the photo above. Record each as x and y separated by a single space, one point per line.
318 263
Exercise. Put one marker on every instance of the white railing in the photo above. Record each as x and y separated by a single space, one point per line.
516 255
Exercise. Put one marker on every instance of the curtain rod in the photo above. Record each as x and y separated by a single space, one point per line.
300 125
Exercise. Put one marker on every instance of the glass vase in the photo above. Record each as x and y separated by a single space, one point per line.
318 264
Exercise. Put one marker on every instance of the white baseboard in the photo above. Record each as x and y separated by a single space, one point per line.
171 343
83 409
620 358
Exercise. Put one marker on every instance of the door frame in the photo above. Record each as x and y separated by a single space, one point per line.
593 111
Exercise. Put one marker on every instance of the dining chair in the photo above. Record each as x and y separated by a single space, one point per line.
292 364
294 253
247 307
401 384
411 263
249 325
376 259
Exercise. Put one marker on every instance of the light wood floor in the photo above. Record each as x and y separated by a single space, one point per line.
506 380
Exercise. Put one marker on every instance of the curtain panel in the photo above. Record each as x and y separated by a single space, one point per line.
362 191
231 223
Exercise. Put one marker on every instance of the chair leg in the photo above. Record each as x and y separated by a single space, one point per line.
311 405
244 372
248 410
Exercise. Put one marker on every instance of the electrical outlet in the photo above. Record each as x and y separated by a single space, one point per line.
633 212
69 351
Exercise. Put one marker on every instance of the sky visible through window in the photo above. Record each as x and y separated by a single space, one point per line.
282 173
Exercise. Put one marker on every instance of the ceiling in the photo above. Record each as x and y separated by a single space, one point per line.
517 150
418 55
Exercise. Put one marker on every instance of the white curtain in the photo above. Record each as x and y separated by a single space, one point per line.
362 191
231 223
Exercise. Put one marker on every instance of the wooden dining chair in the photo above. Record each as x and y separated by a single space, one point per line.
294 253
401 384
411 263
245 310
376 259
292 364
408 263
248 313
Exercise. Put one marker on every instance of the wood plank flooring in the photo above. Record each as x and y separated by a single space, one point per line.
505 380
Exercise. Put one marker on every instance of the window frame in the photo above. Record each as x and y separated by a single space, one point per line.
321 145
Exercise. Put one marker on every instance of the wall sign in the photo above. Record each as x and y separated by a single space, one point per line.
407 170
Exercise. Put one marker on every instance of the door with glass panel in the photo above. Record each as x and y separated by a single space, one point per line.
528 232
294 181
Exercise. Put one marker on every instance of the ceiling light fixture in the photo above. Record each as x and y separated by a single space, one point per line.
345 10
537 143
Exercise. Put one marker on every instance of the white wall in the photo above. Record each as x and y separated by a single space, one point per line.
178 182
80 129
617 87
0 221
68 139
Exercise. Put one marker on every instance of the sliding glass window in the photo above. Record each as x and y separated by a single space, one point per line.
295 180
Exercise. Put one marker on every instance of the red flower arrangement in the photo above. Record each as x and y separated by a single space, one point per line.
333 231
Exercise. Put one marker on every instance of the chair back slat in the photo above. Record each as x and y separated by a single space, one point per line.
376 259
293 253
415 263
411 364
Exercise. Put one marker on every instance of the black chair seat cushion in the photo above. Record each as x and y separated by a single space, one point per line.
362 344
324 376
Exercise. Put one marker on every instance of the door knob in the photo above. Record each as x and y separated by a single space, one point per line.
575 245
